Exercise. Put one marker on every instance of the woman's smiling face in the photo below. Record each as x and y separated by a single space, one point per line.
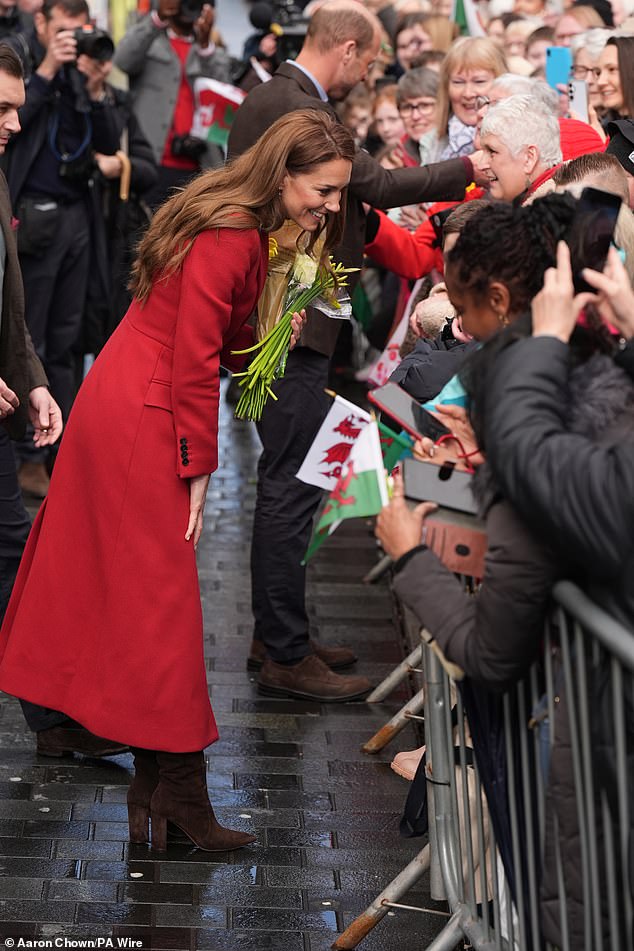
309 197
464 88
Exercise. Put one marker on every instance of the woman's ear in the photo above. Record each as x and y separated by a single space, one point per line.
531 159
499 298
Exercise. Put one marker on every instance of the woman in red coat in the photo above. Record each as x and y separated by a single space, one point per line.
105 621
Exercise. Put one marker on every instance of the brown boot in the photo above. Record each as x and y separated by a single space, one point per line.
311 679
181 798
144 782
73 738
33 479
337 658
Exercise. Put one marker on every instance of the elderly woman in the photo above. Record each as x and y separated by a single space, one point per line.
520 147
469 68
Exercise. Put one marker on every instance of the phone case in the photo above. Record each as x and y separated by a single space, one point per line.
445 485
558 66
578 98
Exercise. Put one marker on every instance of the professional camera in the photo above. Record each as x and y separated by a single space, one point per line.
290 25
94 43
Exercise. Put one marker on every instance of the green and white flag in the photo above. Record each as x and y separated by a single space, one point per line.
360 491
465 14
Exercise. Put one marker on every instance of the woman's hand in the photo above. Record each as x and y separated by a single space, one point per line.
556 308
616 297
197 496
454 418
399 528
297 323
45 416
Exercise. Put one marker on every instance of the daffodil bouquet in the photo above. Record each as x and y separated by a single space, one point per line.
308 284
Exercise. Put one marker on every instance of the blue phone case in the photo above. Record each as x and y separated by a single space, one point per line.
558 65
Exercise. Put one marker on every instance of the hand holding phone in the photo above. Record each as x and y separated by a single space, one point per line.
408 413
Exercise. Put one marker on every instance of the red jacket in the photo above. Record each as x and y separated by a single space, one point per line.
411 254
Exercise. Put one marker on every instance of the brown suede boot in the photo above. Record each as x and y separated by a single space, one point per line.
145 781
181 798
73 738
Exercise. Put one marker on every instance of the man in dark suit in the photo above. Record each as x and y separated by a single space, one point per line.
342 40
24 396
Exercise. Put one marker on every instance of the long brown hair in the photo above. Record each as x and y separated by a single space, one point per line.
244 194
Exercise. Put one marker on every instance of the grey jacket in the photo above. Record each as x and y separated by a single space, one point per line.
154 71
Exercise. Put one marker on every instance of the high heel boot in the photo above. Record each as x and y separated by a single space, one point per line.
145 781
181 798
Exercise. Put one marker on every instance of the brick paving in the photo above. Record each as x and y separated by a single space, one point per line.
325 814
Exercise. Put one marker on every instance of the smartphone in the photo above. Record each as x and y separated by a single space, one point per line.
409 414
445 485
558 66
591 233
578 98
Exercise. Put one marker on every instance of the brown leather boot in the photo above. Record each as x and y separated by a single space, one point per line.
181 798
33 479
337 658
73 738
311 679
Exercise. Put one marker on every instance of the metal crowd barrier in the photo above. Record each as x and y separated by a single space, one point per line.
489 861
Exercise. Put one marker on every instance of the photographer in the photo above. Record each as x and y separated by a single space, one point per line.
163 55
66 117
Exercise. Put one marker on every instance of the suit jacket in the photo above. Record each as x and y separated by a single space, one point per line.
20 368
291 89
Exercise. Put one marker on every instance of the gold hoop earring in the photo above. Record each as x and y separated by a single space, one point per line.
503 320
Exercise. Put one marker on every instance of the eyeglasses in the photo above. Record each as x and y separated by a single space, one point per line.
581 72
408 108
482 102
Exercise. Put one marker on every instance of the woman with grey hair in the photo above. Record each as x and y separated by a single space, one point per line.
520 147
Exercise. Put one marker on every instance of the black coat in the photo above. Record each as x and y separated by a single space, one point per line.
291 89
431 364
577 492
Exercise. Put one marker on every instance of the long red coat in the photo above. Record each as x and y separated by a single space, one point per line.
105 621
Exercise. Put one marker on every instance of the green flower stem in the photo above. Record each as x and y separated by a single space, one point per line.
269 363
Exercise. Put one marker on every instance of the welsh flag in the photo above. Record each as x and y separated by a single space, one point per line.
333 443
360 491
216 104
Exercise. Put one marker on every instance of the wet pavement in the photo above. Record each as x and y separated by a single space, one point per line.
325 814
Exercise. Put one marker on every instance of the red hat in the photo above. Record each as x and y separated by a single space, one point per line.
578 138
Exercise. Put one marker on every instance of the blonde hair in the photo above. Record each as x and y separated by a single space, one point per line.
469 52
441 31
244 194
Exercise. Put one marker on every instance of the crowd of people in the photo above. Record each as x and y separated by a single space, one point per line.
447 170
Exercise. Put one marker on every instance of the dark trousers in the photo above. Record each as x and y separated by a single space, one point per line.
285 506
14 530
55 292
